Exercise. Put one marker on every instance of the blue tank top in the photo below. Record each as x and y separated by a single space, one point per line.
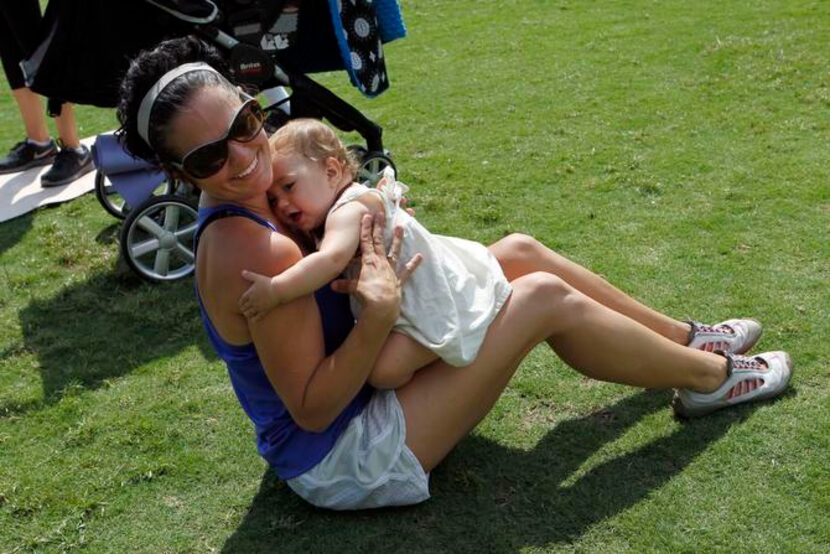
289 449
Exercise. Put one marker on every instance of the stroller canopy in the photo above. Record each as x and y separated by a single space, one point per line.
88 45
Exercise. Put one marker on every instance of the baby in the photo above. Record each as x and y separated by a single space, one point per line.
447 303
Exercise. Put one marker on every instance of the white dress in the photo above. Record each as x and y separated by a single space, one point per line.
450 300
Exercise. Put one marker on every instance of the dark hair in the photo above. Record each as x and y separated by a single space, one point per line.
144 71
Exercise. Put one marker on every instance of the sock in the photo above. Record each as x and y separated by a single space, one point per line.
80 150
38 143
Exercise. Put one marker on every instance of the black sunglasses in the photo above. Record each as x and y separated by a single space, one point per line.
207 159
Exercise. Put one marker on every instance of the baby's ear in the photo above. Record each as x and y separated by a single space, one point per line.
334 168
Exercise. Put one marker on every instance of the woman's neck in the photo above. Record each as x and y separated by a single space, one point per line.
263 210
258 205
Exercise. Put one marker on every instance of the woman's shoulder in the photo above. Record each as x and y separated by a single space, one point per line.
226 248
241 243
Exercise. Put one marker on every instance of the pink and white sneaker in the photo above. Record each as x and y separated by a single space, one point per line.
747 379
733 335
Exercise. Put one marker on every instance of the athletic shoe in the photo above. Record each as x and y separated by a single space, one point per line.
69 165
747 379
25 155
734 335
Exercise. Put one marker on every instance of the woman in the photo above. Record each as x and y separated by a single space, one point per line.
300 372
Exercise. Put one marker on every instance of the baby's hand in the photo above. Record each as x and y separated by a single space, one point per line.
260 297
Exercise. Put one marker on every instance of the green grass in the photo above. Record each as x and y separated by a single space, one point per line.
678 148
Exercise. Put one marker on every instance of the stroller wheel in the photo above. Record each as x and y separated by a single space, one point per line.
108 197
372 166
157 238
114 203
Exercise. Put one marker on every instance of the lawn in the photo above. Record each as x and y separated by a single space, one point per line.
678 148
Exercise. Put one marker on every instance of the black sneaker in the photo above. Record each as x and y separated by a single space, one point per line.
25 154
68 166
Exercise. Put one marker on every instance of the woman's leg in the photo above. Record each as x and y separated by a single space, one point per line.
521 254
443 403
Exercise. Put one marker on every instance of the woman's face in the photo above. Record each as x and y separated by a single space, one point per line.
206 117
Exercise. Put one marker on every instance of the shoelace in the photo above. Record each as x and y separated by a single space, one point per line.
712 346
740 363
725 329
743 363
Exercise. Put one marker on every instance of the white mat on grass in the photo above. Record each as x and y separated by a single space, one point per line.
20 193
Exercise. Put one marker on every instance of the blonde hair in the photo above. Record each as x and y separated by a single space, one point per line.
315 140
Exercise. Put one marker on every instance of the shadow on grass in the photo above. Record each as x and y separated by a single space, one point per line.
13 230
492 498
104 328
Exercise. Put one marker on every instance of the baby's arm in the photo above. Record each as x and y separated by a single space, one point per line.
340 241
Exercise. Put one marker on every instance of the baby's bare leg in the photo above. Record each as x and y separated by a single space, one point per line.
398 361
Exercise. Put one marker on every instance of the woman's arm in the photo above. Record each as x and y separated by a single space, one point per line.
316 388
340 241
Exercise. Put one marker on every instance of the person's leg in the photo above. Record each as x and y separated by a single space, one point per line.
38 149
442 403
74 159
31 112
66 127
19 24
521 254
398 361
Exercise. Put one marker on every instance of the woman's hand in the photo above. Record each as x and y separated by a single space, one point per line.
377 286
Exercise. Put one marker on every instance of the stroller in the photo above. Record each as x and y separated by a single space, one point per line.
270 46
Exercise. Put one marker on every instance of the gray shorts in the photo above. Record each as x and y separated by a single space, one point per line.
369 466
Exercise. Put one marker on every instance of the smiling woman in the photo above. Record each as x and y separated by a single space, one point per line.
207 159
231 146
300 372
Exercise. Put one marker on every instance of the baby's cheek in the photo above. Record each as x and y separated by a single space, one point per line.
280 217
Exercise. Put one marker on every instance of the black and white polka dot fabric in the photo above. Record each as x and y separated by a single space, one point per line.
359 29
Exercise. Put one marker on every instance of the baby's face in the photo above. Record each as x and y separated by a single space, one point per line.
302 192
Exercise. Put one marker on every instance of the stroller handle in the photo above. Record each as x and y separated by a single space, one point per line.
342 114
229 42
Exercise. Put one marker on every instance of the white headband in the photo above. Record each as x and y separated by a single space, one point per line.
149 99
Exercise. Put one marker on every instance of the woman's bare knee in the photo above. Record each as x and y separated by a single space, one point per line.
516 248
520 254
551 301
548 287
